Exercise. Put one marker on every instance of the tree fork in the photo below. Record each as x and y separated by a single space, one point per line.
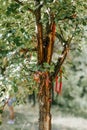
44 89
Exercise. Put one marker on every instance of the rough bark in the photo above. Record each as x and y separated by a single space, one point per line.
51 36
45 105
39 33
44 52
45 85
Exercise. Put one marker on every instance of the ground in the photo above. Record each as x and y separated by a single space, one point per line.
26 118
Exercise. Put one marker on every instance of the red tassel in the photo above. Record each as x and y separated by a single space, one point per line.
60 85
60 88
56 85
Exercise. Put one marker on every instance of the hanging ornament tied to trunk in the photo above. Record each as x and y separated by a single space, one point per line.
58 83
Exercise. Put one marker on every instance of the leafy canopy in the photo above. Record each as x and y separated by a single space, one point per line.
18 32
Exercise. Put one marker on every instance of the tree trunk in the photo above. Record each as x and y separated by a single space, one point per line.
44 106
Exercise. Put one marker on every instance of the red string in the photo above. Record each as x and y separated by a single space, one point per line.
58 85
60 88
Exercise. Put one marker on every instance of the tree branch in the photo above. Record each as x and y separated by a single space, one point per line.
73 16
21 3
39 32
60 61
60 38
25 50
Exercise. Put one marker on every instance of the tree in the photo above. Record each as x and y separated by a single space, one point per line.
53 22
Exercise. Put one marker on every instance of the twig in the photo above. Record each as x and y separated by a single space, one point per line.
60 61
21 3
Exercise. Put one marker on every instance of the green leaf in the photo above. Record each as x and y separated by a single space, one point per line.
12 8
15 89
